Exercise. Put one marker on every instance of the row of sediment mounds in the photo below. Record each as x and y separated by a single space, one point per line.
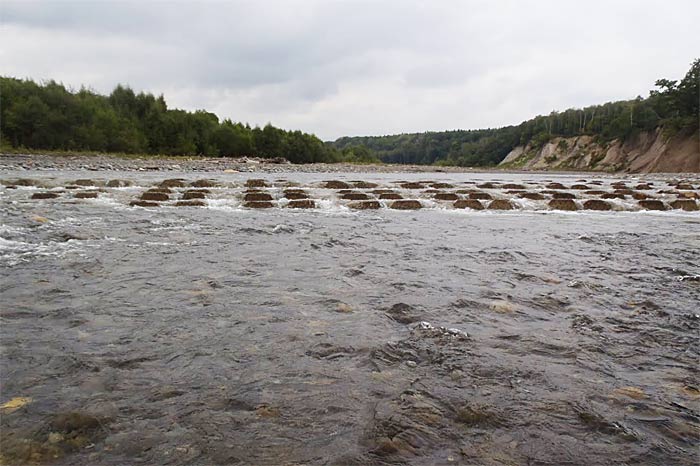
595 195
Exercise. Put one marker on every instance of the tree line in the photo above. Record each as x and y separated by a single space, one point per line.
673 106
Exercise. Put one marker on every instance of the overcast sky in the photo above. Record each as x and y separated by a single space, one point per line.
338 68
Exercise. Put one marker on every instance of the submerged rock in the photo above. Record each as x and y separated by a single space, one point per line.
191 203
84 182
193 195
468 204
596 204
478 195
684 204
258 204
501 204
532 196
295 194
336 184
302 204
652 205
204 183
390 196
154 196
446 197
563 204
143 204
254 197
86 195
404 313
354 196
118 183
256 183
412 185
364 184
561 195
405 204
173 183
364 205
46 195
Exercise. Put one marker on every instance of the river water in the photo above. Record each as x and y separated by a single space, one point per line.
223 334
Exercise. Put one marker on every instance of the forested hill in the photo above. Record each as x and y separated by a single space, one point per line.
50 117
673 105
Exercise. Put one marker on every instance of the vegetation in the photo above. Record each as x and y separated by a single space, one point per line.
674 106
50 117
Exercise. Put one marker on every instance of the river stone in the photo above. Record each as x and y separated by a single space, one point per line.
652 205
484 196
563 204
151 196
412 185
643 186
46 195
118 183
532 196
364 205
159 190
684 204
379 192
258 204
684 186
143 204
487 185
295 194
625 191
173 183
364 184
560 195
405 204
594 192
84 183
256 197
612 196
190 203
193 195
256 183
85 195
390 196
580 187
512 186
442 185
302 204
204 183
639 196
355 196
336 184
596 204
446 197
468 204
555 186
404 313
500 204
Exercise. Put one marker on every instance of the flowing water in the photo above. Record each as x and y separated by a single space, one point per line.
223 334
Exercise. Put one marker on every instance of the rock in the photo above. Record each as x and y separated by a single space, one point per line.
258 204
625 191
343 308
689 195
652 205
596 204
555 186
639 196
513 186
390 196
441 185
612 196
45 195
488 185
173 183
336 184
500 204
295 194
256 183
502 306
255 197
468 204
532 196
118 183
412 185
562 204
580 187
379 192
204 184
684 186
405 204
193 195
479 195
302 204
684 204
192 203
594 192
643 186
159 190
86 195
364 184
354 196
143 204
560 195
151 196
364 205
446 197
84 182
404 313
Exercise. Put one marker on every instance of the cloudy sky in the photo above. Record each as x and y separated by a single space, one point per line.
338 68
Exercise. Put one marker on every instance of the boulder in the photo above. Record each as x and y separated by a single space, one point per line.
555 186
500 204
364 205
562 195
355 196
256 183
652 204
468 204
143 204
596 204
257 197
159 190
173 183
446 197
84 183
336 184
204 184
118 183
580 187
187 195
562 204
487 185
390 196
86 195
258 204
45 195
302 204
479 195
404 313
364 184
295 194
625 191
441 185
684 186
643 186
639 196
532 196
191 203
612 196
405 204
151 196
412 185
684 204
594 192
513 186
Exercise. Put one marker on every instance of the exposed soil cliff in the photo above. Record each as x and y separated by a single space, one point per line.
644 153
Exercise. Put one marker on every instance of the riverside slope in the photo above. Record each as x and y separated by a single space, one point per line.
648 152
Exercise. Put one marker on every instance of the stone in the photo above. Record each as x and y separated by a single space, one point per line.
487 185
652 205
355 196
596 204
151 196
555 186
256 183
441 185
336 184
187 195
561 195
581 187
405 204
204 184
258 204
594 192
390 196
364 184
513 186
446 197
118 183
639 196
159 190
45 195
643 186
404 313
143 204
468 204
302 204
173 183
562 204
625 191
684 204
84 182
191 203
295 194
532 196
255 197
612 196
412 185
500 204
85 195
478 195
364 205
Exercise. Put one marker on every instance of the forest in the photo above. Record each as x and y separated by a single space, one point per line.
48 116
673 105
